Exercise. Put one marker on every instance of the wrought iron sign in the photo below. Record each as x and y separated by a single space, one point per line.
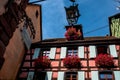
72 13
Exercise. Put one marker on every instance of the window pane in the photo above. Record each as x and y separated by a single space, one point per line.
109 79
67 76
74 79
74 76
106 75
69 51
102 76
46 52
71 76
72 51
109 76
67 79
102 49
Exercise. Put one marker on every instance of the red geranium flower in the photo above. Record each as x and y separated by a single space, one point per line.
72 34
72 62
42 62
104 60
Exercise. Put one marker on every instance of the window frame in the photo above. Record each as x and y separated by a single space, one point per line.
106 73
38 76
46 50
71 76
105 48
72 51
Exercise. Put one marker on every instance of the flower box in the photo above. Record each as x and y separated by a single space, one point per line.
104 61
72 34
72 62
42 62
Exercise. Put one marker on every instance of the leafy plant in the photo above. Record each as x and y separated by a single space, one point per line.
104 60
72 34
72 62
42 62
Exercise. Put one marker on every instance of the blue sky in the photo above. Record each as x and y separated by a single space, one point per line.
94 17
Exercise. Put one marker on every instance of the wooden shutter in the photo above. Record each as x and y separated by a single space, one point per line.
52 53
81 51
30 76
36 53
63 52
60 76
113 51
117 75
94 75
92 51
48 75
81 75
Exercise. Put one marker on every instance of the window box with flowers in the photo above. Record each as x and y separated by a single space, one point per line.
42 62
72 62
72 34
104 61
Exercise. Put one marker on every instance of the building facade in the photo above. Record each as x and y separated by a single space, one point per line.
58 49
15 35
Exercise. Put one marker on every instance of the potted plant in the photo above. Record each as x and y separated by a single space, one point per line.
42 62
72 62
104 60
72 34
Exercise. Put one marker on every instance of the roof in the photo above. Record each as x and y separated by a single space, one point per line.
57 42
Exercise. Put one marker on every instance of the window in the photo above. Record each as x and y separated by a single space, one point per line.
106 75
102 49
72 51
40 75
71 76
45 52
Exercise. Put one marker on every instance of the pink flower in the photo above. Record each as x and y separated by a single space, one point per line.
72 34
71 61
42 62
104 60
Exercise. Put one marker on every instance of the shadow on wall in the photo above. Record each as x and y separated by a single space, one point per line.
14 13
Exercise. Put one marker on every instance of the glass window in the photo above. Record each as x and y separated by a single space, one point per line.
72 51
45 52
106 75
39 75
71 76
102 49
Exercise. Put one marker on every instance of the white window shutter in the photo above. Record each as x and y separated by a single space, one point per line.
48 75
117 75
81 51
36 53
113 51
52 53
26 38
63 52
94 75
60 76
81 75
92 51
30 76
